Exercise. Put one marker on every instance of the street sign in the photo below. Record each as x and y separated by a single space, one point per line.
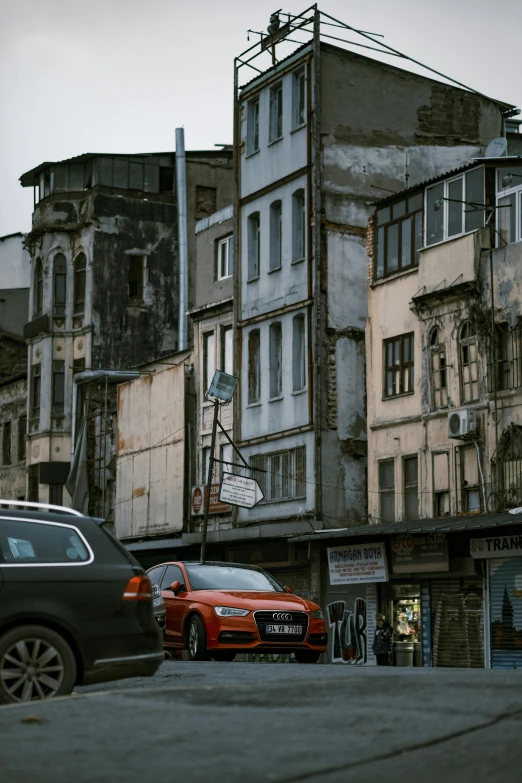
240 491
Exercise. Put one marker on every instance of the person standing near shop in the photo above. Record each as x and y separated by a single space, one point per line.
382 641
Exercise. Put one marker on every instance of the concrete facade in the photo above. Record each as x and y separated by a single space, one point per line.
13 423
448 305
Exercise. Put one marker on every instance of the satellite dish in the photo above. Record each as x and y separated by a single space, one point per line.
496 148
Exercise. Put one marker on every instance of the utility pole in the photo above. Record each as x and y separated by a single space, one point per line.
209 481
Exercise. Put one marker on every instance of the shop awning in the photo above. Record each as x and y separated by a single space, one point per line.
442 525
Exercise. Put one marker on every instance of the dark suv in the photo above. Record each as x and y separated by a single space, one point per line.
75 606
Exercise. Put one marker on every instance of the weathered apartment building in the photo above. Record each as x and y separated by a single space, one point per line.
105 299
318 136
14 300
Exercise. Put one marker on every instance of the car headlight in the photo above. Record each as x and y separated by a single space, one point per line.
316 614
230 611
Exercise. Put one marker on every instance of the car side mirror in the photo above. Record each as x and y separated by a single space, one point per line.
176 587
288 589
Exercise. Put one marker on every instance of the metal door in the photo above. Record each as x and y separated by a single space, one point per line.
505 603
457 613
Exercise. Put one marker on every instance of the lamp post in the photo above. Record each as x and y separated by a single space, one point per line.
221 390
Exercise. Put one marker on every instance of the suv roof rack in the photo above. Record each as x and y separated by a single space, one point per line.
47 506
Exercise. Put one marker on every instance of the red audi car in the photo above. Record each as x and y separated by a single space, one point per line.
215 610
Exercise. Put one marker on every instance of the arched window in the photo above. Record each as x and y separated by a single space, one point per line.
438 370
59 285
38 289
510 469
80 266
468 363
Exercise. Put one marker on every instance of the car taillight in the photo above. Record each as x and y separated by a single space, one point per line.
139 588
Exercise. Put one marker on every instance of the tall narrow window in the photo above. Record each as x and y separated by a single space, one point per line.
254 366
6 443
205 459
36 388
398 365
254 249
276 360
38 289
227 350
470 479
276 112
439 381
252 126
227 457
225 258
387 491
209 360
411 488
80 271
468 363
136 278
441 495
59 285
299 353
22 431
298 98
276 235
298 226
58 390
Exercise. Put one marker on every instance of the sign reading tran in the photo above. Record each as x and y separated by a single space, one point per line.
496 546
357 564
240 491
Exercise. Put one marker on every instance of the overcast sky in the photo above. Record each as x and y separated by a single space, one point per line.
120 75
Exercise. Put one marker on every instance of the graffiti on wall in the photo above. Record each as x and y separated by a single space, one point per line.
348 637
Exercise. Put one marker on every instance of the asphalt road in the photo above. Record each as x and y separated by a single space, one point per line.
273 723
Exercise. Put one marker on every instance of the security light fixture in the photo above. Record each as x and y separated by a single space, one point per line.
508 179
223 386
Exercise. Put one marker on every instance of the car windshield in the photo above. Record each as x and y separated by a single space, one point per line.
224 577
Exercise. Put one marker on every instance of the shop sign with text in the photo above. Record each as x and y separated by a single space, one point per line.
198 501
419 552
496 546
357 564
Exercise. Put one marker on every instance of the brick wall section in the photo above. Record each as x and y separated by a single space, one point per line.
13 357
332 383
450 115
370 245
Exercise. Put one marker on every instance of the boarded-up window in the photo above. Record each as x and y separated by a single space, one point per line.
387 491
441 496
205 201
136 267
411 488
470 479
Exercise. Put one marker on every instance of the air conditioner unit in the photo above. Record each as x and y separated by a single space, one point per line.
462 423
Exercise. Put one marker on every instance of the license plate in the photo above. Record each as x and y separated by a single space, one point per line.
283 629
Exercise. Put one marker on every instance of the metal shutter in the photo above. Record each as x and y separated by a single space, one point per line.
457 622
505 596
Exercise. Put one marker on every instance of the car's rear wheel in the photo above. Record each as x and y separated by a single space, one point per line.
35 663
223 655
307 656
197 639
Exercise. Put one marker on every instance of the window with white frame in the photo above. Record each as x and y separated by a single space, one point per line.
298 98
455 206
209 361
468 363
509 201
438 369
227 350
254 366
252 126
276 113
276 359
205 459
225 257
299 353
227 457
254 245
298 226
276 235
281 474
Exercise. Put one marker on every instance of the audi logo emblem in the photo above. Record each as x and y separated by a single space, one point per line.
282 616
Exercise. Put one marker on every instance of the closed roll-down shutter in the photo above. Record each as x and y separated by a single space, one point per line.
505 596
457 622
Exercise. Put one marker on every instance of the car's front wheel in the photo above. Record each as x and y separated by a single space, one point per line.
307 656
197 639
35 663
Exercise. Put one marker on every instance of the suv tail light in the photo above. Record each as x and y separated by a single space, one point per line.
139 588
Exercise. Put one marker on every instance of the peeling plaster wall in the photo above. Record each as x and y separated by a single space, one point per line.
13 405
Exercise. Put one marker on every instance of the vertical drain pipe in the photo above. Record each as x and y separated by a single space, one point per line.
181 189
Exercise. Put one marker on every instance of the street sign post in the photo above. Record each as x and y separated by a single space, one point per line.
240 491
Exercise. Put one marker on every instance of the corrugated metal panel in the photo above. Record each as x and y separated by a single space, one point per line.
505 591
457 613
